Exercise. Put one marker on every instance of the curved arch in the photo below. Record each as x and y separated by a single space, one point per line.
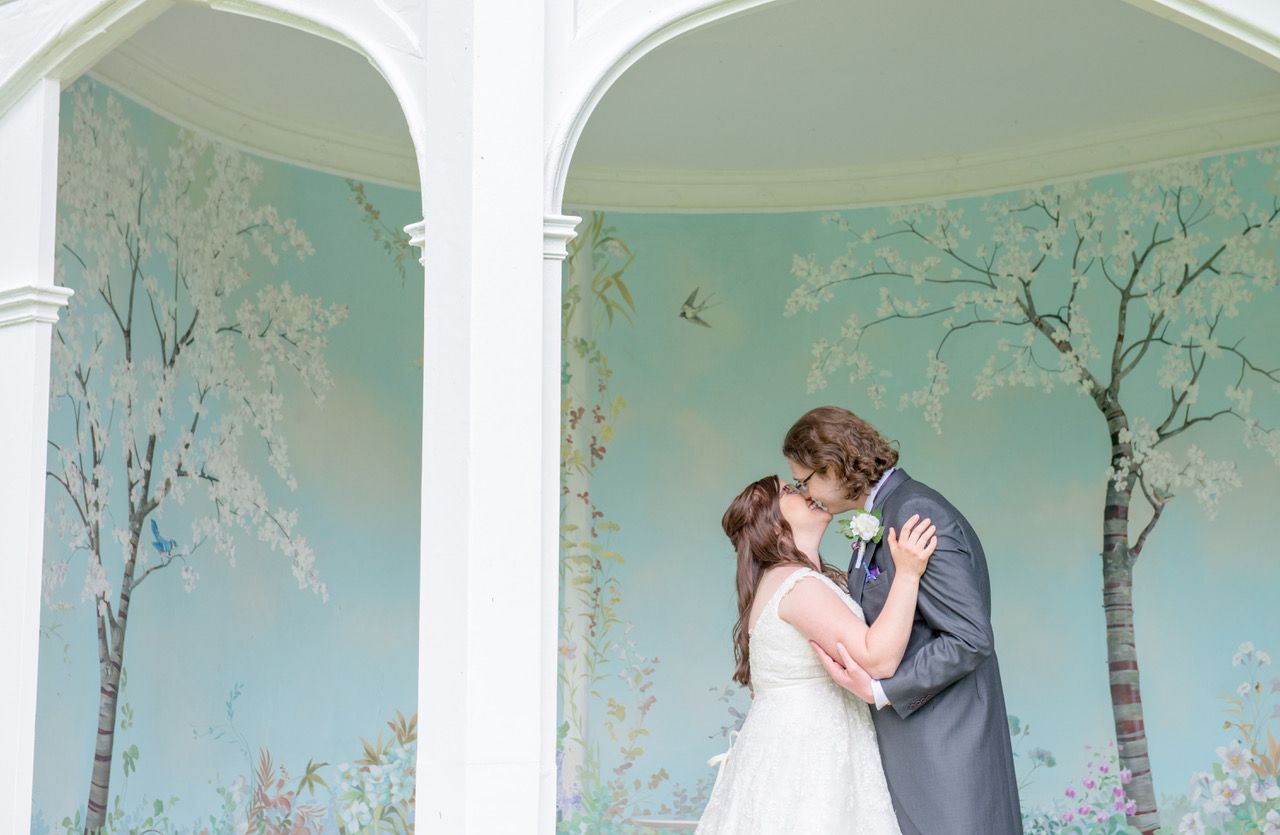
567 133
1206 19
108 23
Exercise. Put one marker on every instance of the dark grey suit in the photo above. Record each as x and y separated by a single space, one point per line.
945 739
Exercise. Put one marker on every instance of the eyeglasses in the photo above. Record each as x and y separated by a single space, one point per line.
802 484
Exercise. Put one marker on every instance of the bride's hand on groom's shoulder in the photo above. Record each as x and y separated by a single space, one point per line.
911 550
846 672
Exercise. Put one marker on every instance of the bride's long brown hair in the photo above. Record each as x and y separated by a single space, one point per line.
762 537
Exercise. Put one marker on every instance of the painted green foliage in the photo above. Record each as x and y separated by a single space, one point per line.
373 794
607 783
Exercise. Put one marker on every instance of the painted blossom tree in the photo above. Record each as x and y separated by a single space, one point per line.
169 366
1162 268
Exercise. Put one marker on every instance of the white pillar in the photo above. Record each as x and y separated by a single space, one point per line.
29 304
481 615
558 231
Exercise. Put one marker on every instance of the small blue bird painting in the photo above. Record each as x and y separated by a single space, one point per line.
164 546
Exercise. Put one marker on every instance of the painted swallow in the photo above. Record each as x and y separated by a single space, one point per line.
692 308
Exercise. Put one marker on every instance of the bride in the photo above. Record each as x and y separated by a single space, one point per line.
806 759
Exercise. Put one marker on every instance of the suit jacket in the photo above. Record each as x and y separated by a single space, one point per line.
944 740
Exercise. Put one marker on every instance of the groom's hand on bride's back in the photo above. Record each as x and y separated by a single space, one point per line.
846 672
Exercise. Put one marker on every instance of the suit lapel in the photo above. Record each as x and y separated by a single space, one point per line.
858 577
874 549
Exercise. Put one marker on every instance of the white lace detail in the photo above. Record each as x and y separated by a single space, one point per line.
806 758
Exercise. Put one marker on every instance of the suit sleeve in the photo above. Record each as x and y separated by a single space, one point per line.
953 605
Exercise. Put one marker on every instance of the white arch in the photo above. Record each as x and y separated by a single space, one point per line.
101 26
1249 27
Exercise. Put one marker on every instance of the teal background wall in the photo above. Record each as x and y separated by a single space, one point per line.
246 662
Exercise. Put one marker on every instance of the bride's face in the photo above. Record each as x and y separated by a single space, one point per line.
800 511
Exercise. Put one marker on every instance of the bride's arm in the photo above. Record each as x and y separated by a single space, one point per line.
816 611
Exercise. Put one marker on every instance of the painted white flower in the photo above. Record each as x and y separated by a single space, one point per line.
1262 658
1235 759
1243 690
1271 824
1191 824
1228 793
1200 783
1263 790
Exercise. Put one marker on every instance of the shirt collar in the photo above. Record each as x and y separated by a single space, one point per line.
871 497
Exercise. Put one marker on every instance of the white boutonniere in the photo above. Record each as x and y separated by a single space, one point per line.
863 526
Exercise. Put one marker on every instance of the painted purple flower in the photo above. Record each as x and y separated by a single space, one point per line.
1090 784
1070 792
1126 776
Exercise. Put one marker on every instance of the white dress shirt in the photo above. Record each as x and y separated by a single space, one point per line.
877 690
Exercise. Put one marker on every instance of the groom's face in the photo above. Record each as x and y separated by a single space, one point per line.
823 488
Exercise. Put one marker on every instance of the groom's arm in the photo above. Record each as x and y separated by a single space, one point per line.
953 605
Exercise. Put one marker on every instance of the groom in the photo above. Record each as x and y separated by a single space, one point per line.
940 719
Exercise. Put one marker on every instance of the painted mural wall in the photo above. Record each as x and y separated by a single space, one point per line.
253 571
1001 341
231 557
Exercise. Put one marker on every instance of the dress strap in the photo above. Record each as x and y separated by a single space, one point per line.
787 584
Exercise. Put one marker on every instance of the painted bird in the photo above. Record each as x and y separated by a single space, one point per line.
164 546
692 308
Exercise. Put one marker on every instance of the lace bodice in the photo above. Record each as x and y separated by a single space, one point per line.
780 654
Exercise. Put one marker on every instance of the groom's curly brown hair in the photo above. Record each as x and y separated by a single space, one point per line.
835 440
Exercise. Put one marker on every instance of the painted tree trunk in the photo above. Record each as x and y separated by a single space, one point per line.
110 662
100 778
1122 651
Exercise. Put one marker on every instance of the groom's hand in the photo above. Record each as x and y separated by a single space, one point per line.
846 672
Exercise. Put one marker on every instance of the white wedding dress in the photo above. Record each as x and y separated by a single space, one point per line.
806 760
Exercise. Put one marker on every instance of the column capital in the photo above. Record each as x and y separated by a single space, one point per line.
32 303
557 232
417 233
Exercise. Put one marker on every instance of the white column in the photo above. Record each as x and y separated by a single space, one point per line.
29 304
558 231
481 615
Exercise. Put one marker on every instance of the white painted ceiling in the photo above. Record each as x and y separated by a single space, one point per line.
774 104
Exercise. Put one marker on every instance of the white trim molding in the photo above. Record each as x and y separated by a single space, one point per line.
1223 22
557 232
1212 130
620 34
417 233
186 102
32 303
